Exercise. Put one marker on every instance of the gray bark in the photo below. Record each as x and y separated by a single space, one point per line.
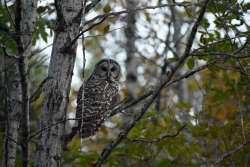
56 92
25 24
131 61
12 110
181 89
18 99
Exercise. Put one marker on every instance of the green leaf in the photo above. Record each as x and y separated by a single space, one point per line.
164 163
106 29
190 63
183 105
205 23
44 36
41 9
9 43
107 9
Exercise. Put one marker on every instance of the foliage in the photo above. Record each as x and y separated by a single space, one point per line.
216 112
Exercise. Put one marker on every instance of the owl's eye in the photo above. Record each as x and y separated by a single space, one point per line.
104 68
113 69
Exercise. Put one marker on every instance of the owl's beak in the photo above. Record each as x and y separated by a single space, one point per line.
109 76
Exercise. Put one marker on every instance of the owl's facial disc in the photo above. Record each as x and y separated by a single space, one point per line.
109 70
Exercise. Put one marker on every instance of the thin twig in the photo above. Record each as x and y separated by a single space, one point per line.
91 6
103 17
38 91
40 50
9 15
133 103
122 108
14 141
108 150
127 106
83 69
230 153
155 140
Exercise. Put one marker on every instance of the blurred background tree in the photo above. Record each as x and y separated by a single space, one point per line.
203 119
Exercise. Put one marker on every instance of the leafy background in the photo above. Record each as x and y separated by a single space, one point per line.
216 111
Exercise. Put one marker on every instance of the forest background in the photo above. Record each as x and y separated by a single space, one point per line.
185 92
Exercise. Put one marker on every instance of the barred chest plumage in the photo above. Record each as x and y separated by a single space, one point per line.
98 102
101 95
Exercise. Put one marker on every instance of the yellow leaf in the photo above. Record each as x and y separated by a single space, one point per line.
234 76
107 8
106 29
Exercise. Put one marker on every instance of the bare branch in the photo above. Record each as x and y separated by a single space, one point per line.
91 6
13 140
103 17
106 15
40 50
121 108
107 151
38 91
144 140
9 15
83 69
230 153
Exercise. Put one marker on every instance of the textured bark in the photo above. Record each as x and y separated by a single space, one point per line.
56 92
131 61
12 110
25 21
181 88
18 87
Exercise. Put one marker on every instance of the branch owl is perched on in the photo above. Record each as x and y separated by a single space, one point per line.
100 94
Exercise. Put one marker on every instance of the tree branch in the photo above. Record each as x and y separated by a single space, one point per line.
119 109
9 15
108 150
38 91
144 140
230 153
125 106
91 6
103 17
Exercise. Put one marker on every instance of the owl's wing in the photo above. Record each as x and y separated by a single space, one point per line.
115 100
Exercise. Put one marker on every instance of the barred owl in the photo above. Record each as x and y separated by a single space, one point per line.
100 94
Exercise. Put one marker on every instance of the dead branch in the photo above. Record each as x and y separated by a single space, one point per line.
155 140
108 150
230 153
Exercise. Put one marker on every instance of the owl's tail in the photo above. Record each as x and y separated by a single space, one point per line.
87 130
68 137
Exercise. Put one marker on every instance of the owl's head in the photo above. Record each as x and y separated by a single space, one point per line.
107 69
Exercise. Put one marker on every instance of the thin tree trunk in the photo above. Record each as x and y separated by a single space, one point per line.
131 61
57 90
25 22
18 87
181 88
12 110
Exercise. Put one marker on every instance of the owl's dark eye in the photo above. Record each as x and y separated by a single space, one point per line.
113 69
104 68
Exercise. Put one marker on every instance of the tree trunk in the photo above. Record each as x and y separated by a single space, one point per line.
57 90
18 85
25 22
12 109
131 61
181 88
